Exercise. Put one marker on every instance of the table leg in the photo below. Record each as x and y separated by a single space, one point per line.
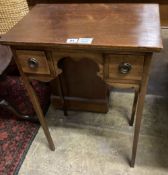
140 105
35 102
134 108
34 99
62 95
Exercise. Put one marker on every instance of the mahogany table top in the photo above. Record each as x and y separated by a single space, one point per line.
134 27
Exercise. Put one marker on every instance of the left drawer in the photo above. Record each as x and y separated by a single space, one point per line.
33 62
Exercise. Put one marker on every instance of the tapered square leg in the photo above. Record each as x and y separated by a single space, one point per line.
34 99
61 91
134 107
141 98
36 105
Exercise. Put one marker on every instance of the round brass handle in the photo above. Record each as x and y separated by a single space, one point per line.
33 63
125 68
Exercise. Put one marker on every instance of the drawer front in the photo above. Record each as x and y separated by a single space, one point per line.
34 62
128 67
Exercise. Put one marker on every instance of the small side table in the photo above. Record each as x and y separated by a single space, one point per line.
124 39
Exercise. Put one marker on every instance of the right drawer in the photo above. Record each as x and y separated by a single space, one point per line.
128 67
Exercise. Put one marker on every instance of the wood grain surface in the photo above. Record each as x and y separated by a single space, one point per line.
130 27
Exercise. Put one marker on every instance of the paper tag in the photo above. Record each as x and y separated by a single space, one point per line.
72 40
85 40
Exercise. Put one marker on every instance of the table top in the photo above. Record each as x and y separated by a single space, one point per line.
112 26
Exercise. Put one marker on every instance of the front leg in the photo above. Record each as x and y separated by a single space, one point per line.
141 98
36 105
35 102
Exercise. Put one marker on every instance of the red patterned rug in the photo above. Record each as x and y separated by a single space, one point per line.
16 137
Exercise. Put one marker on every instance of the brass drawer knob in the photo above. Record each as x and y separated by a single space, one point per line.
125 68
33 63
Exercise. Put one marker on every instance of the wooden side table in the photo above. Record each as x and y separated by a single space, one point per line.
124 38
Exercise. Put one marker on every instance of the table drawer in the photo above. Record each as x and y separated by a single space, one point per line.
125 67
34 62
